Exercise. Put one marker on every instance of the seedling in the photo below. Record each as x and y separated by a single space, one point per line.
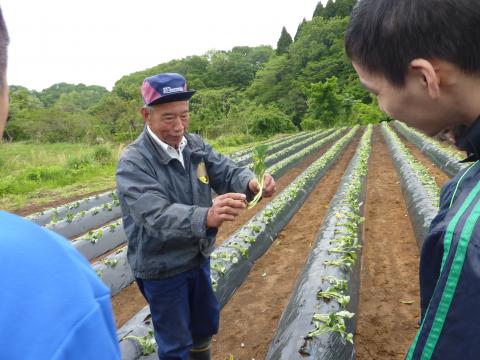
336 291
69 217
243 250
219 268
255 228
214 283
259 155
93 236
110 262
334 322
55 217
147 342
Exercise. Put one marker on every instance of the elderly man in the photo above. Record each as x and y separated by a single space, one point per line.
421 58
164 181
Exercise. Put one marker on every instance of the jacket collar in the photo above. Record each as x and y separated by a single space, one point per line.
164 145
468 140
192 147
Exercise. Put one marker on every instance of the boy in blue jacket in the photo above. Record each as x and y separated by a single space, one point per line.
52 304
421 58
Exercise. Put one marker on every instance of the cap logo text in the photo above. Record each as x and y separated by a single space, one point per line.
169 90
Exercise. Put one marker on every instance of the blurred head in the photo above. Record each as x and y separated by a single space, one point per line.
3 75
169 121
420 58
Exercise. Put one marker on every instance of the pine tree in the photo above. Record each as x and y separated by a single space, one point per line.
318 10
284 42
344 7
330 10
299 29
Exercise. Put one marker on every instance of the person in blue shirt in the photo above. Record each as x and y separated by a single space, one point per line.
52 304
421 58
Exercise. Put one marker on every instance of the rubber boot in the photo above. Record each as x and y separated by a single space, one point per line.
200 354
201 348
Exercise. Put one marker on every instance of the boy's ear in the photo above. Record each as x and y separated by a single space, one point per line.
427 75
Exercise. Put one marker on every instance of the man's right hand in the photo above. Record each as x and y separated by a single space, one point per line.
225 208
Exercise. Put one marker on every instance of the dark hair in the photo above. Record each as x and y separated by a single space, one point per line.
384 36
4 40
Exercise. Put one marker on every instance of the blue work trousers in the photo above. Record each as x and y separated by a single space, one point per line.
184 308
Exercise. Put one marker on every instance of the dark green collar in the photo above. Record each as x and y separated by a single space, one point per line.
469 140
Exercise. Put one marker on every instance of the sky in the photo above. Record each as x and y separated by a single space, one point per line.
96 42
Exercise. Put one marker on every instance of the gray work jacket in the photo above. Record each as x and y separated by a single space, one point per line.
165 205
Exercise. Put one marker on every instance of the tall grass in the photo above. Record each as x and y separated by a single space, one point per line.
28 169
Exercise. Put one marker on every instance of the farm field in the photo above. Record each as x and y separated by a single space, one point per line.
329 265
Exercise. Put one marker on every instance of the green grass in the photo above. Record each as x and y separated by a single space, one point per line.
36 174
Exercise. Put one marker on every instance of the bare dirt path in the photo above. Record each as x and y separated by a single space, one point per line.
390 261
252 315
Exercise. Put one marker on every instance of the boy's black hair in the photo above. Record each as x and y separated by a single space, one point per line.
384 36
4 40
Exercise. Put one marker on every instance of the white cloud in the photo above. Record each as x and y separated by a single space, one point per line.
97 42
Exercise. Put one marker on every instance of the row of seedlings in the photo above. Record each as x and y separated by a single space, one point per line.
269 143
100 241
319 320
233 260
282 166
114 269
80 223
273 148
71 209
419 188
295 148
445 157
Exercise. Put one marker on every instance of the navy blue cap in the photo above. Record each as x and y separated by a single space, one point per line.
164 88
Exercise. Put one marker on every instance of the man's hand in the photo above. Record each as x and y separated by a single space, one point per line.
269 186
225 208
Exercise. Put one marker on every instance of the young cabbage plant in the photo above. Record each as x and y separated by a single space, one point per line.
259 167
333 322
335 291
147 342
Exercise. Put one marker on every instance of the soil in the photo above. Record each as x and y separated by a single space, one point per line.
62 201
130 301
127 303
390 263
440 176
228 228
251 316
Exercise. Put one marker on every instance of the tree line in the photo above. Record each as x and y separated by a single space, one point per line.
307 82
